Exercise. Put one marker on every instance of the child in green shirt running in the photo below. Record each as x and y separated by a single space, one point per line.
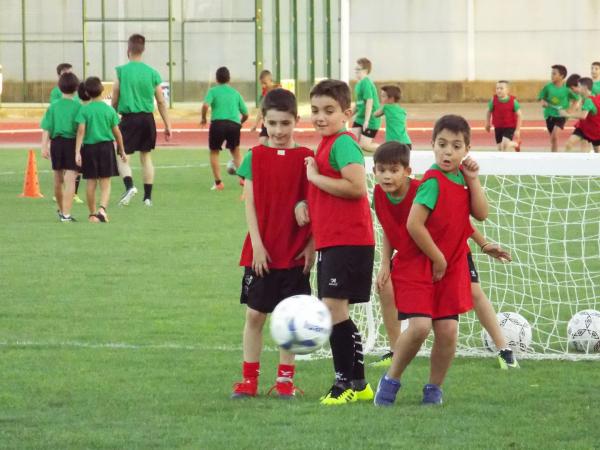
595 72
395 115
365 125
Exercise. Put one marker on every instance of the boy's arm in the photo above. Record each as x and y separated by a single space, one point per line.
203 113
368 111
257 121
116 91
78 142
519 122
244 118
479 203
352 184
379 112
260 256
308 253
490 248
416 228
120 147
488 120
45 144
162 109
384 269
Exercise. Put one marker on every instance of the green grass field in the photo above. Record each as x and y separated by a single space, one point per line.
128 335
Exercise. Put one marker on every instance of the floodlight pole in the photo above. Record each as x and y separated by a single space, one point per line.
345 40
258 47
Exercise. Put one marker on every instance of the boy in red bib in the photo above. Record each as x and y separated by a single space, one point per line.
504 112
343 232
587 127
432 286
277 253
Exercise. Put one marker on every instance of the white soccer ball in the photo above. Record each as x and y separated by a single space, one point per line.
231 169
301 324
583 331
516 331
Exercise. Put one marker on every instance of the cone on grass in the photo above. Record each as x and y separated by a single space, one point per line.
31 185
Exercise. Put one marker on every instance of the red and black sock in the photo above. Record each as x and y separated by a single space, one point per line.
342 349
358 375
147 191
128 181
285 372
251 369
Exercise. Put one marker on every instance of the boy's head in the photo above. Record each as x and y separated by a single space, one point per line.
280 115
223 75
390 94
93 87
573 82
451 141
68 83
595 70
266 79
559 73
136 45
82 93
63 68
363 68
392 166
330 106
585 86
502 87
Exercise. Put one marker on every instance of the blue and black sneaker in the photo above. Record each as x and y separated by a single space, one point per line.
386 391
432 395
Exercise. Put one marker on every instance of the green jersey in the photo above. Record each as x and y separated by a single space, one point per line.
59 119
99 120
429 191
588 105
395 123
557 97
56 94
365 90
345 150
137 84
226 103
596 88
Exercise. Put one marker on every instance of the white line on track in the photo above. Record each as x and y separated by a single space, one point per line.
185 166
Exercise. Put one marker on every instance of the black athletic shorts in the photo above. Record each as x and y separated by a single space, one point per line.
369 132
224 131
99 160
264 293
552 122
263 132
345 272
472 269
508 133
62 154
139 132
577 132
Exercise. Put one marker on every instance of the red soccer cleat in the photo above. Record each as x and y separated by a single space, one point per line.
247 388
285 389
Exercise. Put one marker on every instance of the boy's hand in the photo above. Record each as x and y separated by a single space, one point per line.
311 168
488 127
167 133
439 269
544 104
496 251
260 261
45 153
383 275
309 256
470 168
123 156
301 213
203 122
78 159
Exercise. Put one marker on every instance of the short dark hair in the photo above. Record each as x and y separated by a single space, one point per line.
136 44
573 80
223 75
61 67
455 124
392 91
596 63
82 93
503 81
265 73
280 100
392 152
365 63
68 83
587 82
335 89
562 70
93 86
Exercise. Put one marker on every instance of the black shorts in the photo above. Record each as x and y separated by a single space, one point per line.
263 132
264 293
577 132
369 132
224 131
345 272
139 132
99 160
62 154
552 122
402 316
508 133
472 269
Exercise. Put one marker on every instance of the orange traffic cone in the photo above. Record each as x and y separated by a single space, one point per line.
31 185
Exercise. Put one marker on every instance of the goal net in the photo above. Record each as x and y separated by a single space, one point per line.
545 209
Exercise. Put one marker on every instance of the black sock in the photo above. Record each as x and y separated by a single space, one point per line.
342 348
128 181
358 374
77 180
217 181
147 191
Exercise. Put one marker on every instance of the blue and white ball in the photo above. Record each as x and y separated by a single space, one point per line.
516 331
583 331
300 324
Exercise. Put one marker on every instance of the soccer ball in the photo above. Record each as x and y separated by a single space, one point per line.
516 330
300 324
583 331
231 169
